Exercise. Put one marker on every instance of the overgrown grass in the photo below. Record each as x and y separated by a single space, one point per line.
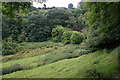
68 52
21 64
102 63
31 49
65 52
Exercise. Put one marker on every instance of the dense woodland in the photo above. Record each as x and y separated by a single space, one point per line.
98 25
95 25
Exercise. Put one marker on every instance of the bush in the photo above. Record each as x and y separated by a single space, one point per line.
12 68
95 38
67 53
9 48
76 37
57 33
66 37
82 51
39 34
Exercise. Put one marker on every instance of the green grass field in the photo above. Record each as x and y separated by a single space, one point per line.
70 61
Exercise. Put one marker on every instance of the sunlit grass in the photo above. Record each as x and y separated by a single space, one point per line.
98 64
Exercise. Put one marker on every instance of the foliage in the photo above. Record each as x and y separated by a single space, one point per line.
70 6
9 9
38 24
60 16
104 19
81 21
39 60
61 34
79 17
66 37
85 32
75 28
92 38
19 64
12 27
22 36
65 53
28 49
76 37
12 68
37 29
57 33
8 48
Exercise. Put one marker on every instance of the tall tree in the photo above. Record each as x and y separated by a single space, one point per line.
10 8
104 18
44 6
70 6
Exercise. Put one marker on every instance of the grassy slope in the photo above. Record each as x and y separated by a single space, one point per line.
30 49
98 64
40 59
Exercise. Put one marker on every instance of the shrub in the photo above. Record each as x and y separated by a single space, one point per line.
76 37
9 48
12 68
66 37
67 53
94 38
82 51
57 33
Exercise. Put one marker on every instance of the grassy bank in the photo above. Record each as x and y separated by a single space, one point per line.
102 63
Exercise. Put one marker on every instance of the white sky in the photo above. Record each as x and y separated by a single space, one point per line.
57 3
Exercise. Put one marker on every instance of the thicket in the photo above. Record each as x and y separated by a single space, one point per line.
61 34
66 37
57 33
101 20
76 37
104 27
37 25
9 48
37 29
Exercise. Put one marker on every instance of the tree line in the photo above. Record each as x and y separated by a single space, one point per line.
99 23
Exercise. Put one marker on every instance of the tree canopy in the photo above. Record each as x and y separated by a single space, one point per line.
10 8
104 18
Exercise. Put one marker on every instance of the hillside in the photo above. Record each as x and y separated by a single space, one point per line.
59 42
102 63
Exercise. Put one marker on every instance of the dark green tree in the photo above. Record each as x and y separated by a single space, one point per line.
60 16
104 20
10 8
37 29
70 6
44 6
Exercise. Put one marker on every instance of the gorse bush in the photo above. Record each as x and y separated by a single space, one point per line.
76 37
66 37
57 33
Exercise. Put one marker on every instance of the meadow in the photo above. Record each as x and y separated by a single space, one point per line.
69 61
